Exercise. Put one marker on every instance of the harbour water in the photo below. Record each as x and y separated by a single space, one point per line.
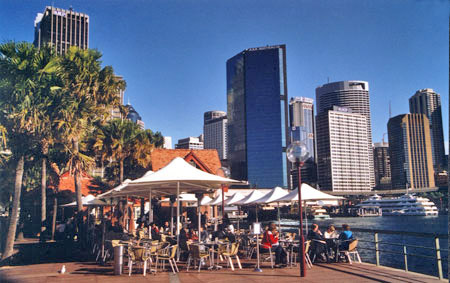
422 224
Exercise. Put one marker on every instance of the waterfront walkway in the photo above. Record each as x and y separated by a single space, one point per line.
92 272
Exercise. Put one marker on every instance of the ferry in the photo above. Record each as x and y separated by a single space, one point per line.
317 212
405 205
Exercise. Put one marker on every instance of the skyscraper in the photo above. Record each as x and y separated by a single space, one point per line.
410 151
190 143
134 116
382 165
258 116
427 101
342 145
62 29
215 132
351 94
301 117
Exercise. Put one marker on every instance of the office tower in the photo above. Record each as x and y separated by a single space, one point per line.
342 145
351 94
382 165
62 29
134 116
215 132
257 116
190 143
410 151
427 101
167 143
115 111
301 117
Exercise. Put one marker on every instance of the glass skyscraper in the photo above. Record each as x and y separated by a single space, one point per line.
257 116
301 117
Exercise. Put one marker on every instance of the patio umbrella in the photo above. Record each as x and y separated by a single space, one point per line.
232 200
176 176
88 200
272 196
248 200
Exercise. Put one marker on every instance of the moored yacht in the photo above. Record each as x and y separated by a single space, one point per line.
405 205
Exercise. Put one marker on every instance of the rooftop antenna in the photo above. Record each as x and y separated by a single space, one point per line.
390 114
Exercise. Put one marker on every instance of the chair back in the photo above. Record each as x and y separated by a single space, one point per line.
115 243
173 251
137 253
163 238
307 246
194 250
352 245
234 249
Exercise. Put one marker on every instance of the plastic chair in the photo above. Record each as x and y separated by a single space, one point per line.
195 254
168 254
137 255
352 251
233 253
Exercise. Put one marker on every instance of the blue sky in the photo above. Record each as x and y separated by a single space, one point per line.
173 53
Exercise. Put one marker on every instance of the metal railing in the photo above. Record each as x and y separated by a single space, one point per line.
405 251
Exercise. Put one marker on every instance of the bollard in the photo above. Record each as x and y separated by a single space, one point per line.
406 258
377 251
118 260
438 258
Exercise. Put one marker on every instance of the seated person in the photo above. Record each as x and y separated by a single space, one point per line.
270 241
192 235
203 234
155 232
318 243
183 238
330 237
220 233
345 237
230 235
166 228
140 231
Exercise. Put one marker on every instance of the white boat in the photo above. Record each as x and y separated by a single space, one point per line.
318 212
405 205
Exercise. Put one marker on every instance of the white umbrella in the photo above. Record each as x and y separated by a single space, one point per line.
88 200
184 198
233 199
308 193
108 194
250 198
272 196
205 200
217 200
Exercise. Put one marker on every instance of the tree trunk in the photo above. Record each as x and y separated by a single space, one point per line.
43 193
77 177
55 210
15 210
121 171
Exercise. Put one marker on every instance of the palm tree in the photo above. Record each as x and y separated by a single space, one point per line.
87 93
19 114
119 141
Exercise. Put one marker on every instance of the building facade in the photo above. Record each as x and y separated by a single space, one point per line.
427 101
134 116
215 132
351 94
190 143
410 152
61 29
302 128
258 116
342 151
167 143
382 166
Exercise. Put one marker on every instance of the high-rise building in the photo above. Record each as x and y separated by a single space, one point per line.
342 151
410 151
115 111
301 117
382 165
215 132
61 29
190 143
257 116
167 143
351 94
427 101
134 116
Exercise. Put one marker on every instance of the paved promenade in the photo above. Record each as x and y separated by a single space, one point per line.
92 272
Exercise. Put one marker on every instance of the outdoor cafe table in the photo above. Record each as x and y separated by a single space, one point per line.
211 245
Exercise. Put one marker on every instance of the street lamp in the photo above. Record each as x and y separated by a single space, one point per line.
223 172
297 153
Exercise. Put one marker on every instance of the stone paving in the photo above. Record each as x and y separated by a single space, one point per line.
87 272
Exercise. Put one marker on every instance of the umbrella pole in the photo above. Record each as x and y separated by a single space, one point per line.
279 220
256 213
306 220
178 221
199 219
239 216
150 207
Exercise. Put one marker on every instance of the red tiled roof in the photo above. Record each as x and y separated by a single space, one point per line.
66 182
208 158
